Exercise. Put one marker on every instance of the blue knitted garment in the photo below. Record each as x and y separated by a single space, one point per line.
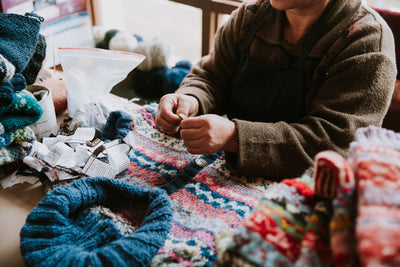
60 231
117 125
18 38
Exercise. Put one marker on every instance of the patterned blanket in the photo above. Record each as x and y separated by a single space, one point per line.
222 219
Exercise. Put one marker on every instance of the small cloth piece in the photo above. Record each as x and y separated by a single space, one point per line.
60 232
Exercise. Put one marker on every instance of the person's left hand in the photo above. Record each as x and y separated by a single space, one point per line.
208 134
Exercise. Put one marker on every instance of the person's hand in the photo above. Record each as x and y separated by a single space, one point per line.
172 108
208 134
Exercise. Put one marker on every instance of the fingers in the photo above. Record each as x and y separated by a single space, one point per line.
172 109
208 134
196 135
166 118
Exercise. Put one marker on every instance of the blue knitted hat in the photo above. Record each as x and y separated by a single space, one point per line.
60 232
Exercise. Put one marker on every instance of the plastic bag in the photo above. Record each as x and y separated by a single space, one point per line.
90 75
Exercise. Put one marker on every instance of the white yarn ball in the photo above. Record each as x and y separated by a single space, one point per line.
123 41
156 52
98 33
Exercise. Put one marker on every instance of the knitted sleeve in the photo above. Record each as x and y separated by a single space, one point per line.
358 75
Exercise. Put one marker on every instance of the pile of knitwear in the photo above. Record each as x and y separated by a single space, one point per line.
345 214
22 51
330 216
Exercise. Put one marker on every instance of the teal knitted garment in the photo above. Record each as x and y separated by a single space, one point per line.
60 231
24 111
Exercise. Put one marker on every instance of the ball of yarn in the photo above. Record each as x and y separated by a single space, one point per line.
54 81
98 32
156 51
123 41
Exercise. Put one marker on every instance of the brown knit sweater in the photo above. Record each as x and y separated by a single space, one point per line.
353 69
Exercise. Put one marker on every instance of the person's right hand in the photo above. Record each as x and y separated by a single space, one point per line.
171 107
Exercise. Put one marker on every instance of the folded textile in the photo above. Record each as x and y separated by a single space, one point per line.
24 111
8 138
61 231
18 37
20 146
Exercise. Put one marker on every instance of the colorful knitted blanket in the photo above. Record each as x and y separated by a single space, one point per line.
222 219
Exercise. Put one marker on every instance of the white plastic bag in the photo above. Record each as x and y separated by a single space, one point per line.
90 75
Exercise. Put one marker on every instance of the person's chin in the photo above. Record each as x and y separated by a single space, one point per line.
280 4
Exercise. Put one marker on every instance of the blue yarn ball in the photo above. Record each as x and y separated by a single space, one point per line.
174 76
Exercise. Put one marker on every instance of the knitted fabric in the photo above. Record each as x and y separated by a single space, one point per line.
35 63
375 158
23 111
206 197
60 231
7 71
14 136
21 145
18 38
220 218
117 125
285 229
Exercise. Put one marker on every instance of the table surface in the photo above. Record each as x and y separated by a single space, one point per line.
15 205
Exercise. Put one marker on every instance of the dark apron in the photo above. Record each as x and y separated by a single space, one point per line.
268 93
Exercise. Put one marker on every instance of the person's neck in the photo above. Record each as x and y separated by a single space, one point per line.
299 21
